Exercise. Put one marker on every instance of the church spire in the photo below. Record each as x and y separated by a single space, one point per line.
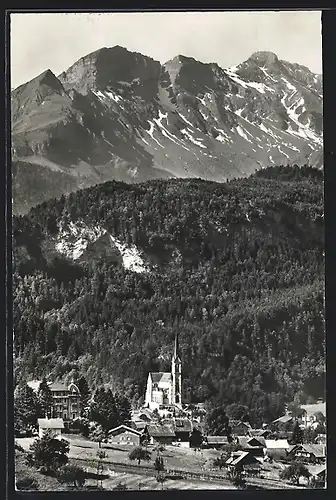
176 349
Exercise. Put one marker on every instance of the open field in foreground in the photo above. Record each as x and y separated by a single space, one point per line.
118 468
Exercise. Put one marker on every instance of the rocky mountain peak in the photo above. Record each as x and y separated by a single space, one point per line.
113 67
264 58
117 114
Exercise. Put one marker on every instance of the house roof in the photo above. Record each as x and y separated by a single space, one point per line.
318 450
50 423
316 470
259 432
277 444
235 423
161 377
217 440
245 456
283 420
57 386
251 442
157 430
123 428
178 424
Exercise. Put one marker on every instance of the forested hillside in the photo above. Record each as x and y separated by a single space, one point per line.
236 269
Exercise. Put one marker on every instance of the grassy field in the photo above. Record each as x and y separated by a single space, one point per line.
83 452
118 467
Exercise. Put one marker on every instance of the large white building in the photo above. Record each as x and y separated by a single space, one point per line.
165 388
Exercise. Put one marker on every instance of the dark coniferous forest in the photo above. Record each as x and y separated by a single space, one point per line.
236 269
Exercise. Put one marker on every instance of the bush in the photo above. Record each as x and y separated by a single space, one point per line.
72 474
48 452
27 483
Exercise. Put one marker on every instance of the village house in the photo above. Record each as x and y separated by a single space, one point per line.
318 474
255 446
311 453
66 399
277 448
215 442
182 428
239 428
245 462
159 434
124 435
283 424
55 425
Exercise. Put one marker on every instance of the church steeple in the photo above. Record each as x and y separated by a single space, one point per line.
176 348
176 375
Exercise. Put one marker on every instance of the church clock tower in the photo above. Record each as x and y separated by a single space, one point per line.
176 376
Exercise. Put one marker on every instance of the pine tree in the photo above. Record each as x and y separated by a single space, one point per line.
297 434
26 405
45 398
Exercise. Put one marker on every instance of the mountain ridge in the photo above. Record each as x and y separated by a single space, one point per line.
105 277
116 114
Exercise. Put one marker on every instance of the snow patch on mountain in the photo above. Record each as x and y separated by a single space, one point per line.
191 138
241 132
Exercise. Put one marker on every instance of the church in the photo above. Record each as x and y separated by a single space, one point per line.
165 388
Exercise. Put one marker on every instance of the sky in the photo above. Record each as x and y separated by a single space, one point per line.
41 41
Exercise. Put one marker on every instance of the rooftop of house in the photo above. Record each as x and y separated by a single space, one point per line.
217 440
318 450
277 444
236 459
53 386
283 420
50 423
158 430
122 428
236 423
316 470
251 442
259 432
178 424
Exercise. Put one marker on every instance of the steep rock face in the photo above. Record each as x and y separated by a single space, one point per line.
120 115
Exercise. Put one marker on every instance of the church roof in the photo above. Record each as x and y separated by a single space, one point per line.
161 377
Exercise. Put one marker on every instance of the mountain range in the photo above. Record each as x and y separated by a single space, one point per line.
120 115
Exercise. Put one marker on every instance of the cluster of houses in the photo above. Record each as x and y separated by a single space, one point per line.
172 423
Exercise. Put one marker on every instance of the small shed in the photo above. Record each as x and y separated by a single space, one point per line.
55 425
124 435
